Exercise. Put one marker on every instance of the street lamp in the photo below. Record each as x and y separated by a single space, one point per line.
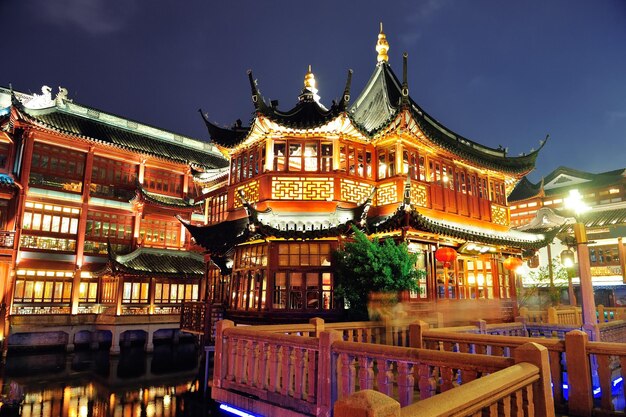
567 260
590 323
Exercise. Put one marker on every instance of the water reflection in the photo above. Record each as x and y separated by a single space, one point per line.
166 383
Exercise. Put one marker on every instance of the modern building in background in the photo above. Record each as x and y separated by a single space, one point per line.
541 206
300 179
89 243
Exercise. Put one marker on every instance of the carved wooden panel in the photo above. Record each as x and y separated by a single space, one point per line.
386 194
250 192
353 191
419 195
499 215
302 188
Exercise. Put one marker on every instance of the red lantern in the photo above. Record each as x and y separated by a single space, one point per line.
445 255
511 263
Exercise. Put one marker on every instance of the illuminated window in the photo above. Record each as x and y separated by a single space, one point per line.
135 292
163 182
156 232
172 293
57 167
43 286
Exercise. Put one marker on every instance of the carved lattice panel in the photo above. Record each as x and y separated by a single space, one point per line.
386 194
499 215
250 192
419 195
354 192
302 188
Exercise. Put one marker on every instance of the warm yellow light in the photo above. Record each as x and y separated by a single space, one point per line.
575 202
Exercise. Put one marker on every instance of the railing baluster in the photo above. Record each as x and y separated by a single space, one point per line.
274 368
262 349
366 373
252 357
405 383
285 382
604 377
311 370
385 377
298 372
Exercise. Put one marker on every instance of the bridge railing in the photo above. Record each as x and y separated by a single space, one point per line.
308 373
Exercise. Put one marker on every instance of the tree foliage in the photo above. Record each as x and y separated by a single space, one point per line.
364 266
537 289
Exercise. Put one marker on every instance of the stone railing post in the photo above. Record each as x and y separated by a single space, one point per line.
416 334
542 390
439 319
553 317
387 323
601 318
318 323
368 403
481 326
221 352
523 312
578 373
522 320
326 375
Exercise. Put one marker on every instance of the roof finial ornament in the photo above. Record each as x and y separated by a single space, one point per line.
309 81
382 46
405 79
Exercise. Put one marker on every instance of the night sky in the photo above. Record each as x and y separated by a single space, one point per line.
497 72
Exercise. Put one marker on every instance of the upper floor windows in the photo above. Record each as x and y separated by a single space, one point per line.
50 218
296 156
56 167
247 164
4 154
109 176
356 160
163 182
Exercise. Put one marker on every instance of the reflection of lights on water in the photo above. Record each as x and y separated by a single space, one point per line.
235 411
167 400
150 410
83 411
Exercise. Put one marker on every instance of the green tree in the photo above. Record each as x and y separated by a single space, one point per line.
364 266
537 289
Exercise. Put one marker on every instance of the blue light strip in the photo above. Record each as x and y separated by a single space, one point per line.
235 411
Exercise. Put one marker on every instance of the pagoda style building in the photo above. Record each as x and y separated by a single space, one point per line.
300 180
90 246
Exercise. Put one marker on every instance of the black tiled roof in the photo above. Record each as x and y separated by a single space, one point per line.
381 100
524 190
165 200
225 137
219 239
74 124
159 262
421 222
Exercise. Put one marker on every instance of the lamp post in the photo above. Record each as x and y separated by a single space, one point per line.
567 260
590 322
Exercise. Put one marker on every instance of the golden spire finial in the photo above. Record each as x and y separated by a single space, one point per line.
382 46
309 80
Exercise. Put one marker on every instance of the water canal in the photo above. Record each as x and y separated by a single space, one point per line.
166 383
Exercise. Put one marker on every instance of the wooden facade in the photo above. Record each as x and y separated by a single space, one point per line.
300 179
87 211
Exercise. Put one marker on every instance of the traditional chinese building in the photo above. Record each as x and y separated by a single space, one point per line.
541 206
300 179
88 233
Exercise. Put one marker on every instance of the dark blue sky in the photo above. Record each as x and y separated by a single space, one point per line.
498 72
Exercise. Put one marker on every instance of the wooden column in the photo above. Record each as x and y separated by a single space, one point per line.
151 291
622 257
82 226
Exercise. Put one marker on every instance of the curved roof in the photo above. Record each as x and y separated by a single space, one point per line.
384 97
159 262
91 124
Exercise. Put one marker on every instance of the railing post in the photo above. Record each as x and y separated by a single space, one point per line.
368 403
387 322
221 352
523 312
552 316
542 391
318 323
578 373
521 319
481 325
601 314
326 378
416 334
439 319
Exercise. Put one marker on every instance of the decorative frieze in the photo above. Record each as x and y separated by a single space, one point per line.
353 191
250 192
302 188
499 215
419 195
386 194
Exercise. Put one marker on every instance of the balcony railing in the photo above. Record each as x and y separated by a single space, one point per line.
7 239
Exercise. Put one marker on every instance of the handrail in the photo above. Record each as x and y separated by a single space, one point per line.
471 398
